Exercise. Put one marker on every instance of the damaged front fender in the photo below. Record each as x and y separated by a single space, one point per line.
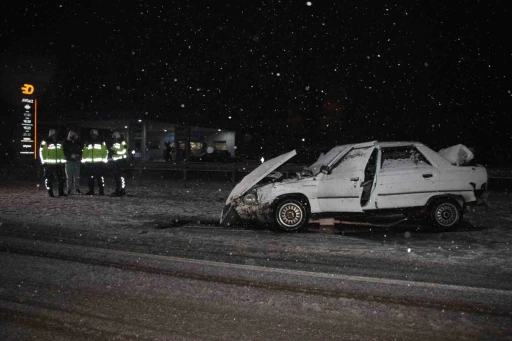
237 210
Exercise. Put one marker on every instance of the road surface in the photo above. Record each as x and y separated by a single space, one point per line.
54 290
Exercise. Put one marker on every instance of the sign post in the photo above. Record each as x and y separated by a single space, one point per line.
28 121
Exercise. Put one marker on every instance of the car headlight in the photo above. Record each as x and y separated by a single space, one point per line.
250 199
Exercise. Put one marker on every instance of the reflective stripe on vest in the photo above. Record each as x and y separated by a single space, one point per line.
94 153
120 151
51 153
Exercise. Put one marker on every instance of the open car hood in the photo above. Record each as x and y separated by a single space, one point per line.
258 174
458 155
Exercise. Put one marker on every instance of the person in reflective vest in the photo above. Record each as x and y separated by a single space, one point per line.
94 159
119 153
51 154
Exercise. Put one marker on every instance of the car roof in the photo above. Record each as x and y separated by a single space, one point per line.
397 144
384 144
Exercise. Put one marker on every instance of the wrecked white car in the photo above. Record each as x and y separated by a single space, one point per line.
372 178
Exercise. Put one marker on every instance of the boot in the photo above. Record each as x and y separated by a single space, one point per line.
62 194
50 193
78 191
123 192
101 191
91 191
116 193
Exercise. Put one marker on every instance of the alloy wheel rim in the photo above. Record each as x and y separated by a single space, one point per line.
447 214
290 215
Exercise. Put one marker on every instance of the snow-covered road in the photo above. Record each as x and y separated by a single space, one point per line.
179 218
67 257
59 291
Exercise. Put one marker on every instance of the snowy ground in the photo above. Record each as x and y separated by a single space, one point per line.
155 202
158 206
176 218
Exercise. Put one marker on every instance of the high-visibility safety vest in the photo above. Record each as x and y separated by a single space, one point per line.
120 150
51 152
95 152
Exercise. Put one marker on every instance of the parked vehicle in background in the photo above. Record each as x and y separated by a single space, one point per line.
365 179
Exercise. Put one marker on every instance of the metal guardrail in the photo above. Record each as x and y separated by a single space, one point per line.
187 167
499 173
236 168
246 167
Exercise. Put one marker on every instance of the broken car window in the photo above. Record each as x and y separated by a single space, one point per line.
353 160
403 157
326 159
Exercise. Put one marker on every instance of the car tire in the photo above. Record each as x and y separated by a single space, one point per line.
291 215
446 213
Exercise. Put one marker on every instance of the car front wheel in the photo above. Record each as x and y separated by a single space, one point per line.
446 213
291 215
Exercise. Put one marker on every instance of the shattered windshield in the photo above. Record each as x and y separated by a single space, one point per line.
327 158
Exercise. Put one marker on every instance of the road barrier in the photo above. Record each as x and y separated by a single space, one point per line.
500 177
234 170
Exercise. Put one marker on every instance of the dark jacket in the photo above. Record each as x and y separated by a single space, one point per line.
72 149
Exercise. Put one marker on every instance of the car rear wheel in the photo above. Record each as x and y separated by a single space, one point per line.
291 215
446 213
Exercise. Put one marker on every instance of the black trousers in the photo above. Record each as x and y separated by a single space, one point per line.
95 173
118 172
52 172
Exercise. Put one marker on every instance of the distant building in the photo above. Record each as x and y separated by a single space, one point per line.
146 139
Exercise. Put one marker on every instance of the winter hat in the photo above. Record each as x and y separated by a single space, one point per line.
51 132
94 132
116 135
71 134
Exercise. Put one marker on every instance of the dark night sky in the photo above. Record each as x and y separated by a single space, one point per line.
330 72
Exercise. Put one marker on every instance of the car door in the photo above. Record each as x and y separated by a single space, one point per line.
406 178
340 190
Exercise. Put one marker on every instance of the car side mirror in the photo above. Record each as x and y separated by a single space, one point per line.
325 169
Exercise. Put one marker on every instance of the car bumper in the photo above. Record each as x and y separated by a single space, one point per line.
237 210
